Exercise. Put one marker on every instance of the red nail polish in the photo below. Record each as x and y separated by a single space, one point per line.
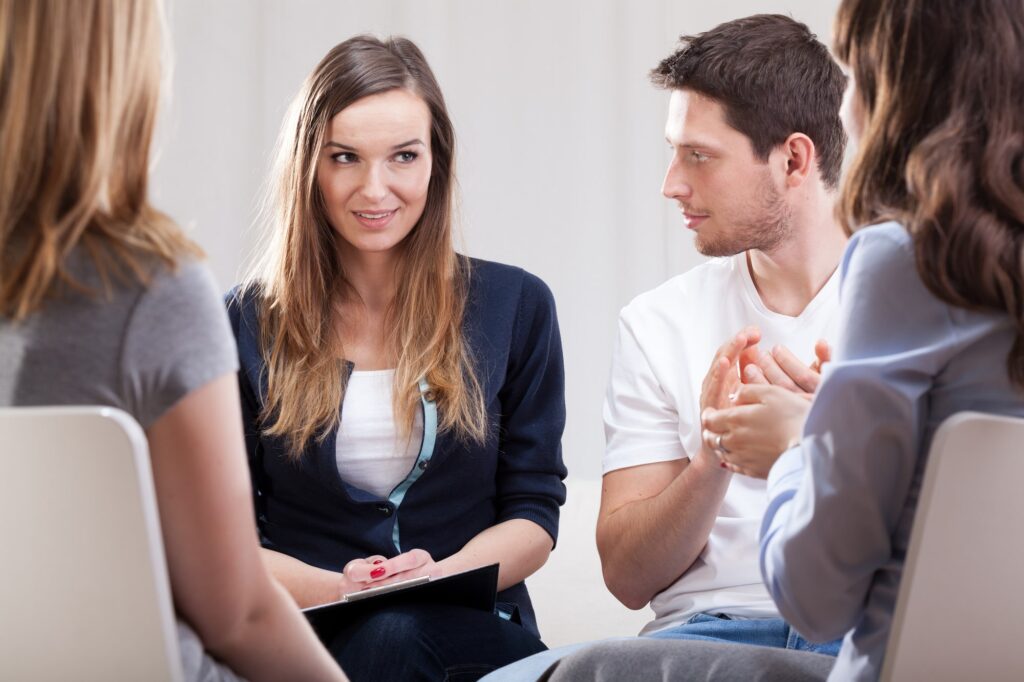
723 465
377 572
378 561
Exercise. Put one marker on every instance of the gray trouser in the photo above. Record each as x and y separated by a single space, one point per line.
647 660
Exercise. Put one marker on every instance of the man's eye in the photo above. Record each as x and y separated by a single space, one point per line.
698 157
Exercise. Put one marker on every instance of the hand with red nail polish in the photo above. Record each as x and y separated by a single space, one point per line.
411 564
374 571
358 573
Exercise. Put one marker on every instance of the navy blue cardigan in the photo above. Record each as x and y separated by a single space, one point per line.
304 509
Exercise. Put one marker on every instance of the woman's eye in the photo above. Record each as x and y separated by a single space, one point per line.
344 158
406 157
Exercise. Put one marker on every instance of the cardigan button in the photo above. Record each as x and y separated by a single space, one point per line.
384 509
423 464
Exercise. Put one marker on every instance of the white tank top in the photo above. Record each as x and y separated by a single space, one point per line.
369 452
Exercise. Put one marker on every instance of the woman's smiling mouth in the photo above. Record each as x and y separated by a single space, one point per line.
375 219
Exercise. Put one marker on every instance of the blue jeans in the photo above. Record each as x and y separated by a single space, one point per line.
432 642
771 632
774 632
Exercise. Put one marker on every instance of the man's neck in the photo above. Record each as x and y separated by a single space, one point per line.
790 276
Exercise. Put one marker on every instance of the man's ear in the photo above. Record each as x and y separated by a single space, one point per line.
800 158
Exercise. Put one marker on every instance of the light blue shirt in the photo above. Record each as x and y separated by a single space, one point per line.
841 504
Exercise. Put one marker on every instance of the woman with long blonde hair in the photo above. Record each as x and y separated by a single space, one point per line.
103 301
403 404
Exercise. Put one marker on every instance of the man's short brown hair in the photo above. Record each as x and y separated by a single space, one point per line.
772 77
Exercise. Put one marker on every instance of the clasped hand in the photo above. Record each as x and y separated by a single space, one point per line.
377 570
753 403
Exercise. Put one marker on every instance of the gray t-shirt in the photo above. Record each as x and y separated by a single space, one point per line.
138 348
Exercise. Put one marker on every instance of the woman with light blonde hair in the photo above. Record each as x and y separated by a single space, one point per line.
103 301
403 404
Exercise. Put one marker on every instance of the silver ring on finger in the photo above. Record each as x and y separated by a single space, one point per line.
718 445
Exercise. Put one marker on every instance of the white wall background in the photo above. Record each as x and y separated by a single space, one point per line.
561 150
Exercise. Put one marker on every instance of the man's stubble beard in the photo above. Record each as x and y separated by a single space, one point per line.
764 226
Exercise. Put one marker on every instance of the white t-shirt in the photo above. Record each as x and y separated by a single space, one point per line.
667 339
369 452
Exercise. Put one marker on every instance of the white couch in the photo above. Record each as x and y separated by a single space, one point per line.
569 595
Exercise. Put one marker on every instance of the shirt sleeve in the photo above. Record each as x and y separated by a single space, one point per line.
177 340
530 469
836 498
641 422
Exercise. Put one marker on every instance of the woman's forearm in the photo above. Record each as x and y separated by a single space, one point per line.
308 585
275 643
242 616
519 546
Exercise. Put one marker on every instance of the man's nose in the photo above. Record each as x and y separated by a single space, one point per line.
676 184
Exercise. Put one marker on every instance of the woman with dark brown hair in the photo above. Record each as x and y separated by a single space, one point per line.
403 404
932 312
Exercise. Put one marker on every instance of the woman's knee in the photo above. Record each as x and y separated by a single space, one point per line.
401 626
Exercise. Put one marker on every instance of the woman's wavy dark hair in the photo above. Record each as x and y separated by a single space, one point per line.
940 84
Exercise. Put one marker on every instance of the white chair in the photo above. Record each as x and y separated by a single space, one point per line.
960 610
84 593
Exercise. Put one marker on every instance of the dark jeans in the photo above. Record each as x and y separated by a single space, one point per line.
429 642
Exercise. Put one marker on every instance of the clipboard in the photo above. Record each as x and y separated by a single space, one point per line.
476 588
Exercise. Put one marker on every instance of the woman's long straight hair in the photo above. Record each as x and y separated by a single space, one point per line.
79 91
299 278
940 84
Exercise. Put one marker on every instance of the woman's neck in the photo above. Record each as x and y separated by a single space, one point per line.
373 278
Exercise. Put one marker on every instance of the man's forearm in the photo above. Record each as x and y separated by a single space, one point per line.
646 544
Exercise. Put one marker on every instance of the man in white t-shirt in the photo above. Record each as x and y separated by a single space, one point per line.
754 124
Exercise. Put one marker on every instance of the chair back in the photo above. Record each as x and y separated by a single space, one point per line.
84 593
960 609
